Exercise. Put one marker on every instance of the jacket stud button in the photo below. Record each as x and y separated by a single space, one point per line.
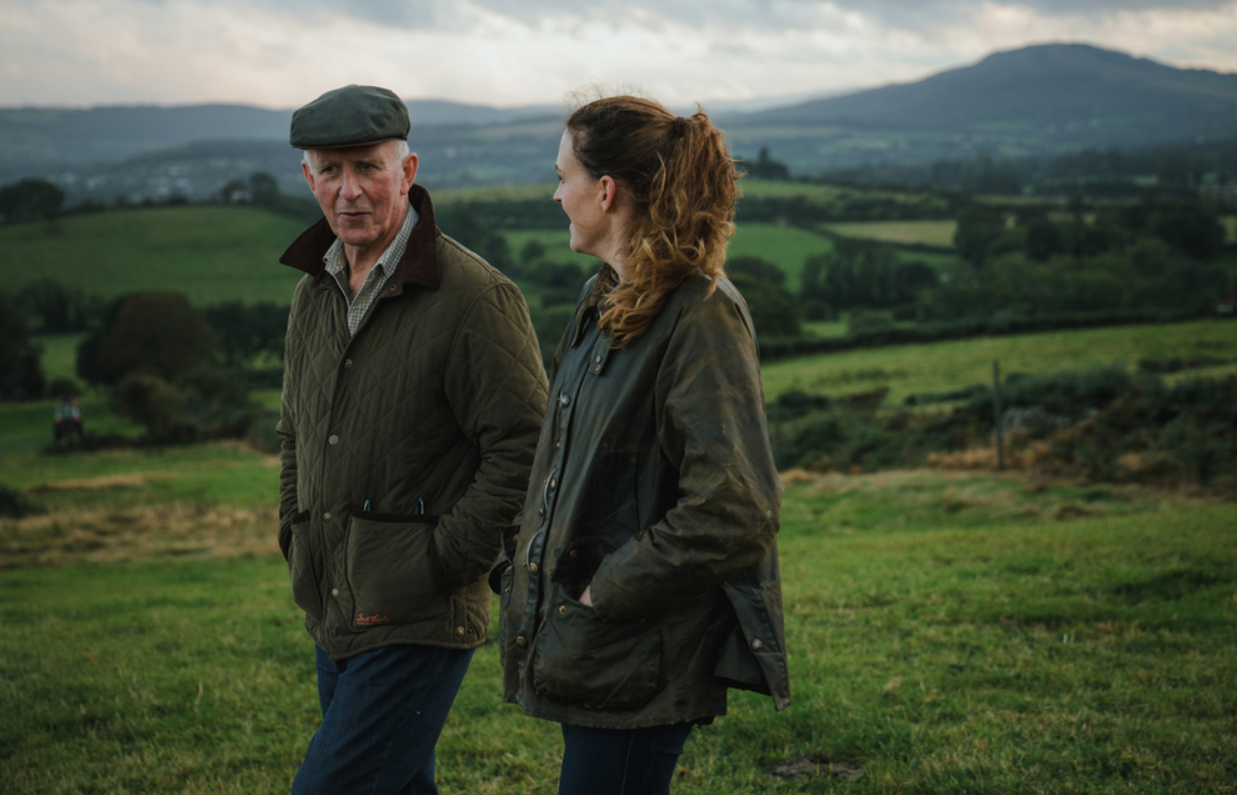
334 592
562 610
459 630
521 642
347 363
334 439
507 589
756 644
553 484
391 289
541 511
326 517
532 568
564 399
597 360
573 553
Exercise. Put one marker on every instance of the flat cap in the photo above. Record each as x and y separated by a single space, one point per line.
350 116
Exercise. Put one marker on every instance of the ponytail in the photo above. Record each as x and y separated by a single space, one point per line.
683 183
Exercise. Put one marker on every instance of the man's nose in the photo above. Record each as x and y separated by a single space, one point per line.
351 187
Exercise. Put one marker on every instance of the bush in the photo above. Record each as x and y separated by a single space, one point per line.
15 504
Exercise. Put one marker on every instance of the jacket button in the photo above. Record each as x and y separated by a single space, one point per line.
573 553
562 610
347 364
756 644
334 439
507 589
392 289
521 642
564 399
459 630
532 568
334 592
541 511
553 484
326 517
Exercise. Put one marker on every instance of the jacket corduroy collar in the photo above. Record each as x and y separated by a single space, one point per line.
418 267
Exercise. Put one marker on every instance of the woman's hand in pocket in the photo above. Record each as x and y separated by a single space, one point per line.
586 598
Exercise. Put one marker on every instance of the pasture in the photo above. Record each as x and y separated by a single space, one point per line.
951 365
948 633
937 234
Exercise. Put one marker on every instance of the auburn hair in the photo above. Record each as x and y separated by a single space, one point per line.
683 183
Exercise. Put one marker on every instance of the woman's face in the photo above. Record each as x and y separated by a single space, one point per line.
582 198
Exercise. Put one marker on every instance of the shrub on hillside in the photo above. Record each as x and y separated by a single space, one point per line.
21 371
15 504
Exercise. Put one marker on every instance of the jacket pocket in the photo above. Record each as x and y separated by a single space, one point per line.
301 569
582 660
390 569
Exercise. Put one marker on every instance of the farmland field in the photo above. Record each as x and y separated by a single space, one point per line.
939 234
212 254
947 633
946 366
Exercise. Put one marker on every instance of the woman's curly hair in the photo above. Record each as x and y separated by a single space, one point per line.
683 181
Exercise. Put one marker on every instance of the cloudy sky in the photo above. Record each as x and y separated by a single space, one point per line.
282 53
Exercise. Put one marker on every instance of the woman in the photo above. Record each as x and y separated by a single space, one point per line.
645 576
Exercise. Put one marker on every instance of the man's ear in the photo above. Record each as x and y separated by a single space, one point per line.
409 167
309 175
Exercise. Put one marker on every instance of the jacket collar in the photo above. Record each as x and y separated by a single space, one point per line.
417 268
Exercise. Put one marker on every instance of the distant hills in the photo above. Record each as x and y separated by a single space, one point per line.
1045 99
1070 91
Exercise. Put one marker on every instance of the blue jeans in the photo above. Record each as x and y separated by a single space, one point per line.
382 712
620 761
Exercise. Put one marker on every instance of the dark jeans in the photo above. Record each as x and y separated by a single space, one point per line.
382 712
620 761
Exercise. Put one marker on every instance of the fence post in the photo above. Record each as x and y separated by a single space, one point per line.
996 413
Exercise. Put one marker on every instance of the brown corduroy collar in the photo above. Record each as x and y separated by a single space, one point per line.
417 268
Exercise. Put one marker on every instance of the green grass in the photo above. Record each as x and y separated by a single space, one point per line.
947 634
59 354
930 233
212 254
784 246
946 366
210 474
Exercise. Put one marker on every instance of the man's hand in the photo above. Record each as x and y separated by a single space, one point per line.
586 598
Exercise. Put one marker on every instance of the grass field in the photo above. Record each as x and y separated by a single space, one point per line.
947 633
784 246
946 366
212 254
928 233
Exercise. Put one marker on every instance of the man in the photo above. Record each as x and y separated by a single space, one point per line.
413 396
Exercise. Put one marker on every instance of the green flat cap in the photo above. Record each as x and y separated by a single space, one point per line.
350 116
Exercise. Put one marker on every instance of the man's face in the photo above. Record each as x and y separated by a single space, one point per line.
362 191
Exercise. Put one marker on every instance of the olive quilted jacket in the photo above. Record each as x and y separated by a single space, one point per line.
405 448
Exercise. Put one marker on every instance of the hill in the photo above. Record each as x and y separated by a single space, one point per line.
1042 100
1072 91
49 137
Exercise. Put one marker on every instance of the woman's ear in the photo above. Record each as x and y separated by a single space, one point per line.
609 193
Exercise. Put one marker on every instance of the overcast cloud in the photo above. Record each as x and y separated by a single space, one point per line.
280 53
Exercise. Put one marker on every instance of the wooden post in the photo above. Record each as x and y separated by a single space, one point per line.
996 413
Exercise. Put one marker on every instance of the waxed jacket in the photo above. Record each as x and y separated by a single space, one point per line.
405 449
654 484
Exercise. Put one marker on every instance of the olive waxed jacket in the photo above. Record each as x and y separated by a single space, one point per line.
654 484
405 448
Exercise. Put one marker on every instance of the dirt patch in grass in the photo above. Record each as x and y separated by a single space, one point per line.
130 534
814 767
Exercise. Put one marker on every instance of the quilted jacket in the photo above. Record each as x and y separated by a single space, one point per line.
405 448
654 485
